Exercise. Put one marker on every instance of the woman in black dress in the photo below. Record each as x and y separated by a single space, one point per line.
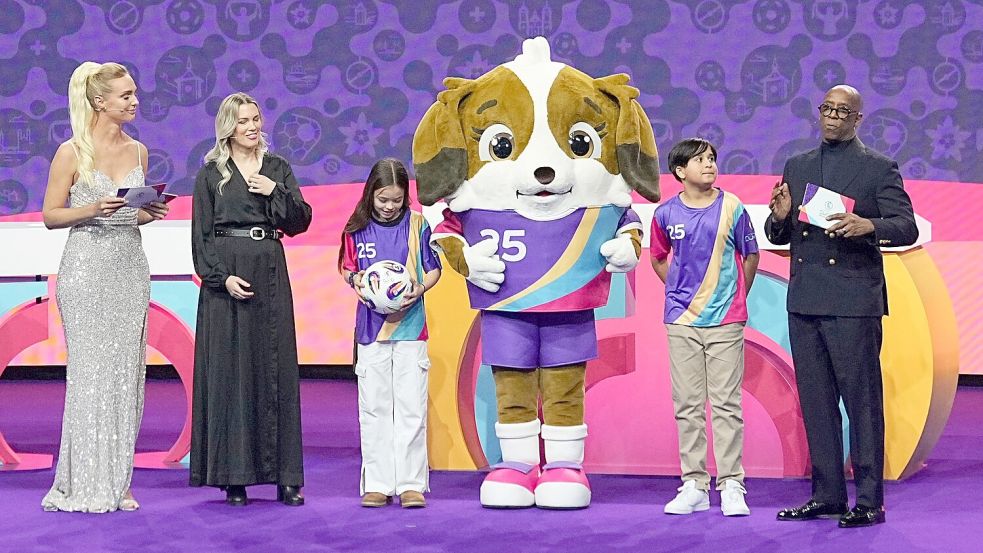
246 405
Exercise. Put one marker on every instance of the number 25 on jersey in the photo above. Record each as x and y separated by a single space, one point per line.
365 250
508 241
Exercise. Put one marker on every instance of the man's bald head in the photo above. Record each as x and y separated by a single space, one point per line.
852 93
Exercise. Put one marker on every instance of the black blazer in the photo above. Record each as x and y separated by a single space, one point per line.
844 276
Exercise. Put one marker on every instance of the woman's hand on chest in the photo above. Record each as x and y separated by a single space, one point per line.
260 184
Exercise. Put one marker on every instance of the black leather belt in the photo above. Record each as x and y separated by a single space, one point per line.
256 233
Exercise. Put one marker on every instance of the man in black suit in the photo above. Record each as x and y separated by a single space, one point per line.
836 298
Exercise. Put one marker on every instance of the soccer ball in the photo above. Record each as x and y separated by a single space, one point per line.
385 283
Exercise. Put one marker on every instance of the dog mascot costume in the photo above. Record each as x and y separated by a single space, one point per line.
537 162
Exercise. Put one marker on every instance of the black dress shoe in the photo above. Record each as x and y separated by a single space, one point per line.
290 495
236 496
862 515
813 510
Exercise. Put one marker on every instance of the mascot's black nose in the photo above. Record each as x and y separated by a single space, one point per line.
545 175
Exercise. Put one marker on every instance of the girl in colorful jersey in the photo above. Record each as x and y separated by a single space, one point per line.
391 359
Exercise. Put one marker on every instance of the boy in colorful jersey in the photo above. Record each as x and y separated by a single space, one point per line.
714 259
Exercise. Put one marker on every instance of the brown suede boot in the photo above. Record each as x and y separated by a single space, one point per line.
376 499
412 500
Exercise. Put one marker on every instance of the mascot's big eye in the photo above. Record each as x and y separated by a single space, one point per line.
501 146
585 140
580 144
495 143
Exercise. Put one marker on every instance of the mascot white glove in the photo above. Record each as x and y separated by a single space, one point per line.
620 254
485 269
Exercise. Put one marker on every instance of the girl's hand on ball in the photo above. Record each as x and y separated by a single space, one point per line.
359 286
409 298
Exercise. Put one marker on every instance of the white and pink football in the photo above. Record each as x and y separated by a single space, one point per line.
385 283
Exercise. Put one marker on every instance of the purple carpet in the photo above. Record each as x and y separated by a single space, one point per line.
936 510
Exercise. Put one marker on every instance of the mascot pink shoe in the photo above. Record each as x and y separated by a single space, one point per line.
510 486
512 483
563 484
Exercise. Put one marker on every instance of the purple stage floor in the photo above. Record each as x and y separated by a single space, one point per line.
936 510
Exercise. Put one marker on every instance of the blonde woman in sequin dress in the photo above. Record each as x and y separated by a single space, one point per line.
103 291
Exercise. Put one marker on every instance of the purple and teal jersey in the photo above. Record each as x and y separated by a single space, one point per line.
705 284
408 242
550 266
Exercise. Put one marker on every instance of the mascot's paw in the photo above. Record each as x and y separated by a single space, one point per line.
485 269
563 485
510 486
620 254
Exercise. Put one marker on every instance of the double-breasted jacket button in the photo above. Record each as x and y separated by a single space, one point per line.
832 262
805 233
799 260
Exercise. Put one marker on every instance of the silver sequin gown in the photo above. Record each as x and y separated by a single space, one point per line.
103 292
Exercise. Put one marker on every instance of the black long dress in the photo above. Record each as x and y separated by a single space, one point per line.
246 401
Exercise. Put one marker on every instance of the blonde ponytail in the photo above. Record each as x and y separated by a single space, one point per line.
88 81
225 125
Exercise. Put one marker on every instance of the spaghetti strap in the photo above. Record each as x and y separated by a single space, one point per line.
139 161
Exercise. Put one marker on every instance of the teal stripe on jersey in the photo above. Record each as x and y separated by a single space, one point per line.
725 292
412 323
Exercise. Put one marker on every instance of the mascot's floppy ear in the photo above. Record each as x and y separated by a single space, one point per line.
440 157
638 158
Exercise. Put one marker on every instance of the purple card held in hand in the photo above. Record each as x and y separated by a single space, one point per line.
818 203
139 196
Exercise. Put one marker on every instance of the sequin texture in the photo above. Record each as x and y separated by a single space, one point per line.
103 292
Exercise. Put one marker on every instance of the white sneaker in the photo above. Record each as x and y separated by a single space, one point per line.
732 500
688 500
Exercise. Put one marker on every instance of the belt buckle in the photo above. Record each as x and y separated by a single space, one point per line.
257 233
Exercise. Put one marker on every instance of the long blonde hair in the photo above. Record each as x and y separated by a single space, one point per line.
225 125
88 81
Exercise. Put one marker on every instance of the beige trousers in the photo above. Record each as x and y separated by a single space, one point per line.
708 363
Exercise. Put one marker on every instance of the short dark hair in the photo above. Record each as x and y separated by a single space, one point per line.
685 150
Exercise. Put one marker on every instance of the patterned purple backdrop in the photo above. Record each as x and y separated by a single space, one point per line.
344 82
